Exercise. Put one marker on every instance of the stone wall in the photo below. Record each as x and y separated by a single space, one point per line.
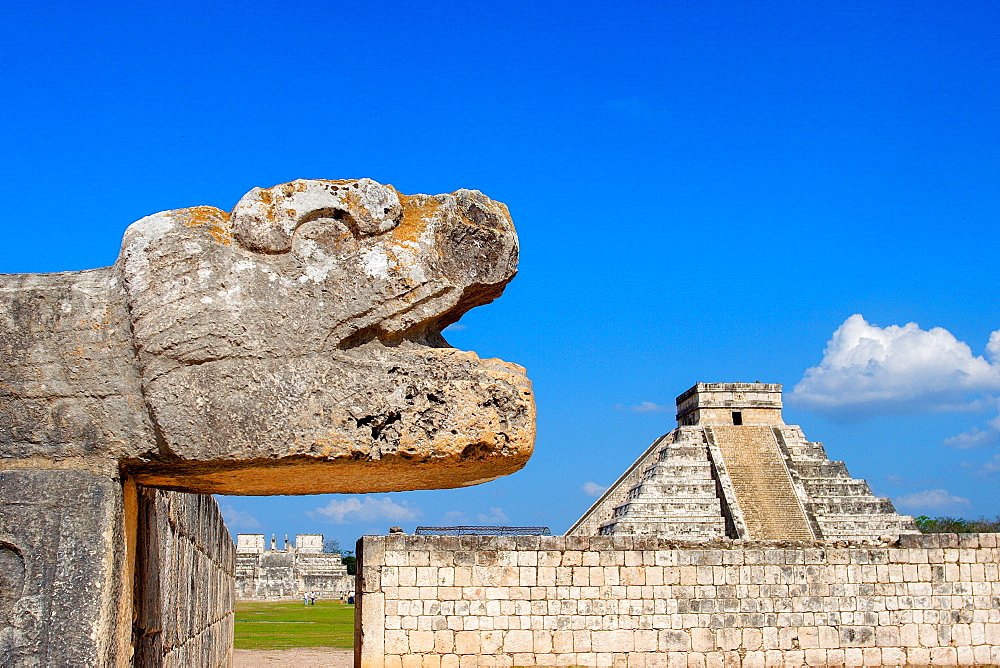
64 600
184 586
624 600
99 572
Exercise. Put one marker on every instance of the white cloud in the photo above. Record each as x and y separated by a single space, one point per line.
976 437
454 517
645 407
593 489
993 347
867 369
238 519
495 516
992 466
456 327
367 509
930 499
984 469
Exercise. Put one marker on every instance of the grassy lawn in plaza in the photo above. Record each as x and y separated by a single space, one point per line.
281 624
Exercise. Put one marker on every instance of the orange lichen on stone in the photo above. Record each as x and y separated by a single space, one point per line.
340 182
216 221
353 201
286 189
418 210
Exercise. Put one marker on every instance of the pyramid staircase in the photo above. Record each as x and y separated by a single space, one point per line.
764 498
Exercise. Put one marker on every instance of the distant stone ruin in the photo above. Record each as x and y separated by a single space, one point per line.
292 571
291 346
734 469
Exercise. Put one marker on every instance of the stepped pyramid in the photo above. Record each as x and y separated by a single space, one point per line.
733 468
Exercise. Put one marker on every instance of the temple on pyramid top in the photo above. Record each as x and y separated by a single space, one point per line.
733 468
731 403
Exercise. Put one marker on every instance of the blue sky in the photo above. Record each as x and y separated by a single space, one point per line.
703 191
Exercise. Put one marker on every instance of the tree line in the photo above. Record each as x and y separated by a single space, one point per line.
957 525
332 545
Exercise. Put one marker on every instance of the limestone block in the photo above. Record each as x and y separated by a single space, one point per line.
918 656
562 642
396 642
927 635
816 657
463 576
527 558
491 641
871 656
682 641
61 579
541 641
983 654
808 637
421 641
549 559
829 637
795 658
835 657
467 642
444 641
426 576
612 641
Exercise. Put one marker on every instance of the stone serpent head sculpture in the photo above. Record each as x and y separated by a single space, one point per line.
291 346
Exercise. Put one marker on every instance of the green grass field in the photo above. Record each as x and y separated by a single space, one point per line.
281 624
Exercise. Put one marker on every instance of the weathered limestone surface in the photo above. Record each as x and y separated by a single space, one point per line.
184 582
734 468
63 597
73 544
291 346
648 601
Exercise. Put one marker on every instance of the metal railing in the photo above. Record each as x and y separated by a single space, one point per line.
482 531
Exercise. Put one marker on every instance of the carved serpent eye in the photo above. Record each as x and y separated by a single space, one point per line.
331 231
265 221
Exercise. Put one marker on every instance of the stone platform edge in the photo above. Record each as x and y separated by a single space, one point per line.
642 543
